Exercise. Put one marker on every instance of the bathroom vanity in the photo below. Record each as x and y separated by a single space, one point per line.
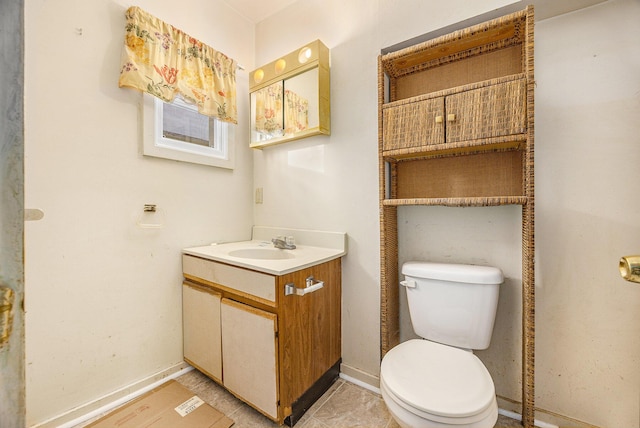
265 322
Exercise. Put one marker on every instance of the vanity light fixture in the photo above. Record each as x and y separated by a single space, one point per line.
290 97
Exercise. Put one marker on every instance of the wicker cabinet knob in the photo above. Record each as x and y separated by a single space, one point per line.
451 117
439 119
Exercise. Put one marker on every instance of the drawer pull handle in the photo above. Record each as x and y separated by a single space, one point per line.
439 119
451 117
310 287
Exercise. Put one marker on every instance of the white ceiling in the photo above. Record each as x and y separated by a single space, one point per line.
257 10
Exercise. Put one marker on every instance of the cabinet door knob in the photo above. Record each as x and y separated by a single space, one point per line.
451 117
439 119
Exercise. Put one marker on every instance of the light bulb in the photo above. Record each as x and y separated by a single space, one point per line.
281 64
258 75
304 55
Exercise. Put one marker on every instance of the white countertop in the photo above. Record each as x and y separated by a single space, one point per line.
312 248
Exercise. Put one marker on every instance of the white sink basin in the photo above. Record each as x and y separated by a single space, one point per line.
261 254
312 248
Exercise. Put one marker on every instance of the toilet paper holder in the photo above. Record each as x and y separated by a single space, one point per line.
629 267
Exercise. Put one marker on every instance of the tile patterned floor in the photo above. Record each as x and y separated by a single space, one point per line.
344 405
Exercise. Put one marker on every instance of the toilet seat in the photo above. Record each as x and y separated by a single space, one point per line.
438 382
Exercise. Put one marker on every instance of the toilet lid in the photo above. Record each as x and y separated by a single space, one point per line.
438 379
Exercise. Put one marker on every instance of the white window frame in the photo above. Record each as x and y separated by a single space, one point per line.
220 154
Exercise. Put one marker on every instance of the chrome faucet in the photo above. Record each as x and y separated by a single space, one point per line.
282 244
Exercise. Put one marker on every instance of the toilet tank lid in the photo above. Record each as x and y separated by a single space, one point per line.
472 274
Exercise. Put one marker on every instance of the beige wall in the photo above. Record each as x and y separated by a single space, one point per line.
587 154
332 182
102 295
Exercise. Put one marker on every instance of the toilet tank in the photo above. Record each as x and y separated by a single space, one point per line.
453 304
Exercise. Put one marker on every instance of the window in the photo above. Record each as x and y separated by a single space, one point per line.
177 131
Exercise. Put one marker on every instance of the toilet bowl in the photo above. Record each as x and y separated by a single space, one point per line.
430 385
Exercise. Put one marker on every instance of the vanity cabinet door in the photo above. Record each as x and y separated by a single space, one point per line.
310 326
495 111
413 124
249 347
201 329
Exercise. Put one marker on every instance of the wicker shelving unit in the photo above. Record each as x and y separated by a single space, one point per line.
460 105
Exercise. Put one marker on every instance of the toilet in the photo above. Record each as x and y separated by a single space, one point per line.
437 381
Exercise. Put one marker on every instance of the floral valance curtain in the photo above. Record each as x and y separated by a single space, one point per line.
163 61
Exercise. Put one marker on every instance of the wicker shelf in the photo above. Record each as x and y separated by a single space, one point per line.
459 202
457 89
456 129
512 142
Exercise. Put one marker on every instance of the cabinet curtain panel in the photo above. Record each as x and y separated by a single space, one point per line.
164 61
275 114
269 118
296 110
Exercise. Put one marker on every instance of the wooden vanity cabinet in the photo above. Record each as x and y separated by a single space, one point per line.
278 352
456 128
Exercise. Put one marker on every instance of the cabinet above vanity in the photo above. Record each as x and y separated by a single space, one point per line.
265 322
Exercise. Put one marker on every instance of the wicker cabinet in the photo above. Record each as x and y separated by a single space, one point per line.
456 122
415 126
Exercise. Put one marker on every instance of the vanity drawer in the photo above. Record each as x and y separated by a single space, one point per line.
257 285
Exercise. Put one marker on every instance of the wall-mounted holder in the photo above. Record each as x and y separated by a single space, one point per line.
290 97
151 217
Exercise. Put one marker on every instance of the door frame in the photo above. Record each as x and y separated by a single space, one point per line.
12 366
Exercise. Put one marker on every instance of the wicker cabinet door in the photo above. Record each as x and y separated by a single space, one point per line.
494 111
412 125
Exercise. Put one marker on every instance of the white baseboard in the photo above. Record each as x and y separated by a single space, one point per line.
360 383
518 417
110 401
360 377
543 418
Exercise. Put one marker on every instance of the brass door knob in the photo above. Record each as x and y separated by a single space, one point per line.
630 268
